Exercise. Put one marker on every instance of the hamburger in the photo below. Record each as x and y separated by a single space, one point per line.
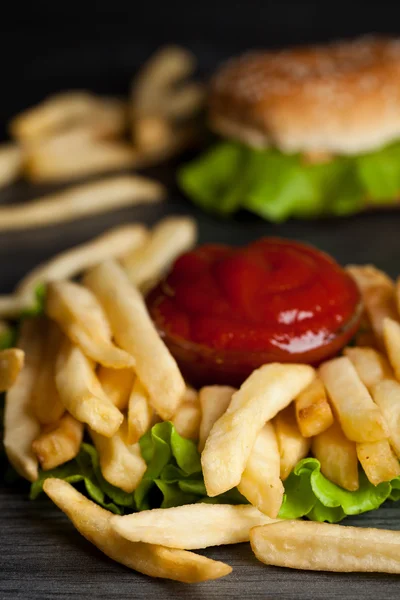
306 132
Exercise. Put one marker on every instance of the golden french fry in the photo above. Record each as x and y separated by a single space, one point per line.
82 200
391 336
82 394
228 447
59 442
324 547
151 132
94 523
140 412
187 418
46 401
121 463
372 366
20 425
338 457
313 412
170 238
173 139
360 418
214 400
81 317
117 385
135 332
11 163
191 526
378 294
378 461
260 482
386 395
11 364
293 446
112 244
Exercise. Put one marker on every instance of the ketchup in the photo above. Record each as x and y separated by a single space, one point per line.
225 311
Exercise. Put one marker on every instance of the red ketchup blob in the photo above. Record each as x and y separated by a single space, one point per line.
225 311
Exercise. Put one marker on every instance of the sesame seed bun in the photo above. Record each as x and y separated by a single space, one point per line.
341 98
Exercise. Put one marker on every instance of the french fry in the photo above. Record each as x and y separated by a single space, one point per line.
378 461
94 523
59 442
214 400
135 332
293 446
360 418
386 395
324 547
187 418
117 385
71 262
11 162
82 200
80 316
378 294
372 366
150 132
228 447
391 336
11 364
338 457
170 238
82 394
121 463
140 412
260 482
191 526
313 412
46 401
20 425
173 140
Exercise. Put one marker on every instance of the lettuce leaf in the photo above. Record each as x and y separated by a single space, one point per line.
277 186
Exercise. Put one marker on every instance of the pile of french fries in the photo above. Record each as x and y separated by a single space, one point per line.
95 362
76 134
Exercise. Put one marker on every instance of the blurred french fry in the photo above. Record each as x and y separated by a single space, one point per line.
260 482
391 335
324 547
46 401
378 461
82 200
191 526
11 364
11 163
117 385
228 447
135 332
214 400
169 238
48 163
378 294
359 417
386 395
59 442
140 412
293 446
174 140
112 244
313 412
94 523
187 418
82 394
338 457
20 425
151 132
121 463
81 317
372 366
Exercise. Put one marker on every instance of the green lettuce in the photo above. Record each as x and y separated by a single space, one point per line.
277 186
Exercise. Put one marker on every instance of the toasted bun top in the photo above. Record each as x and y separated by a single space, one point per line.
342 97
